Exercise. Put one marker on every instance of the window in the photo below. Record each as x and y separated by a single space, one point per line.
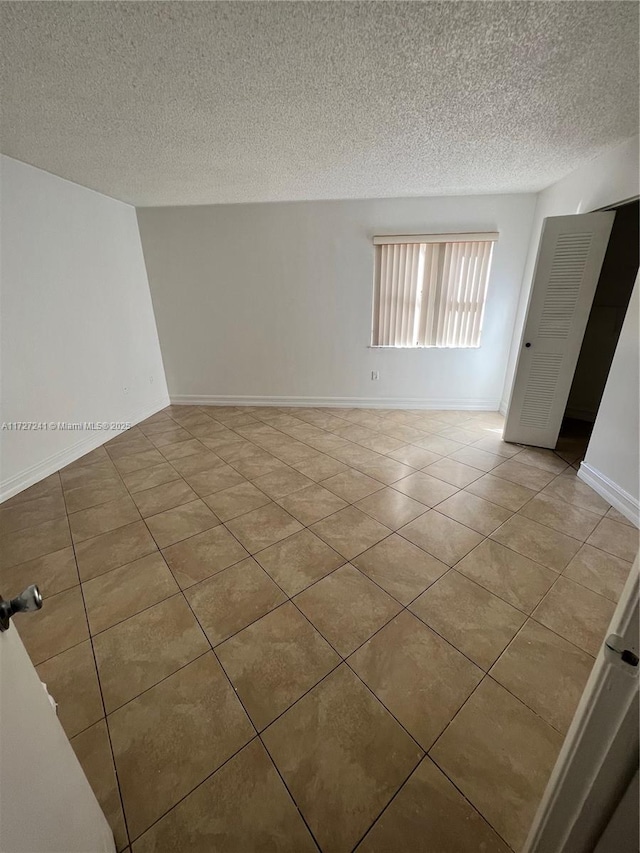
430 290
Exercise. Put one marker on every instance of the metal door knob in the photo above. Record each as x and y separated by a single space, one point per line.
27 601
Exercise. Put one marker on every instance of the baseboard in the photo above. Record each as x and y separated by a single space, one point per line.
339 402
53 463
611 492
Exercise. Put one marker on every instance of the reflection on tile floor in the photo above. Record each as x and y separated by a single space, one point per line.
291 629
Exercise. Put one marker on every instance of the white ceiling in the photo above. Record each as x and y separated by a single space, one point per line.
173 103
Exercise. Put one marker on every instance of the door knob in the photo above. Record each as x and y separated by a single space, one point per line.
27 601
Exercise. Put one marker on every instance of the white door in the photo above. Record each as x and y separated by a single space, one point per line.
585 798
570 256
46 803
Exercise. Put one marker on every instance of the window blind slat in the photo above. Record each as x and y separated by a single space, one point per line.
431 294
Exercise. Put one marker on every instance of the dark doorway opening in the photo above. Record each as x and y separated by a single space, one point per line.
608 310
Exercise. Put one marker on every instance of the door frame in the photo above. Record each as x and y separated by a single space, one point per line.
599 756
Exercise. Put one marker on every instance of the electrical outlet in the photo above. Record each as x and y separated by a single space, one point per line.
375 374
125 389
151 380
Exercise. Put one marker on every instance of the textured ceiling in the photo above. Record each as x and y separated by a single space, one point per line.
199 103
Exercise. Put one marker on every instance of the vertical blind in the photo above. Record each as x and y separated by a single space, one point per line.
430 292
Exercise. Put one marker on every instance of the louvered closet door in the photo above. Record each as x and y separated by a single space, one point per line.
570 257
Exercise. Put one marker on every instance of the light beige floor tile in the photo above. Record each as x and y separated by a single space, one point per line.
113 549
511 496
598 571
50 485
548 547
196 463
563 517
257 465
495 444
312 504
102 473
415 457
52 573
243 807
137 481
278 484
442 537
418 676
235 501
477 458
524 475
452 472
545 672
191 722
430 816
89 523
31 513
274 661
180 523
138 461
170 437
342 756
125 591
215 479
164 497
35 542
425 488
353 454
60 625
320 467
350 532
576 613
385 470
400 567
183 448
621 540
351 485
514 578
439 444
262 527
200 556
299 561
538 457
499 754
476 622
93 750
391 508
72 680
614 515
474 512
137 653
85 497
232 599
347 608
382 443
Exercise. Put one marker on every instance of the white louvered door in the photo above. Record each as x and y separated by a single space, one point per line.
570 256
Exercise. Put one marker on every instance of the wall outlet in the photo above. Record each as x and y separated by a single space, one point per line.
151 380
375 374
125 389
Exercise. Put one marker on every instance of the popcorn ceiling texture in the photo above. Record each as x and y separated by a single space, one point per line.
179 103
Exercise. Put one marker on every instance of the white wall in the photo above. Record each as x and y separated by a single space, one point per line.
610 178
612 463
274 300
77 320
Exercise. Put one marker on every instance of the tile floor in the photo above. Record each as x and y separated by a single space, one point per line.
292 629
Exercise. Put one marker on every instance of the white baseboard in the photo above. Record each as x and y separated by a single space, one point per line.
339 402
53 463
611 492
